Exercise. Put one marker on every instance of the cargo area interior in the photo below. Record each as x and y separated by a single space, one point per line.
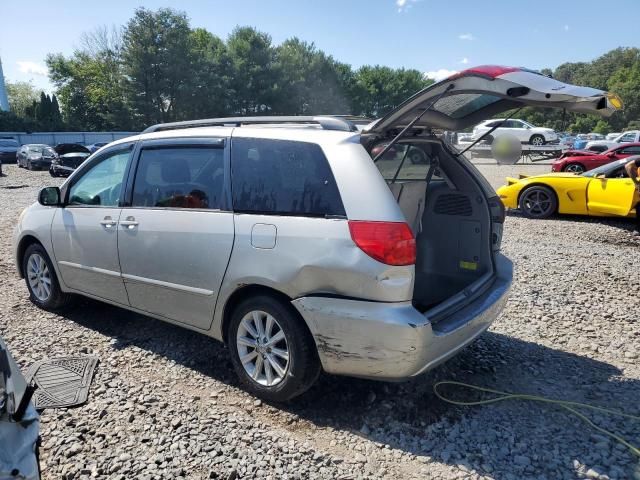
449 217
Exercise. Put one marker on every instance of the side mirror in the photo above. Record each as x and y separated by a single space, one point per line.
611 154
50 197
601 175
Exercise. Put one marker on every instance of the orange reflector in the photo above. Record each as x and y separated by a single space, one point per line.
615 101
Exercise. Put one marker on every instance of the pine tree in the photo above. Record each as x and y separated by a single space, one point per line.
56 116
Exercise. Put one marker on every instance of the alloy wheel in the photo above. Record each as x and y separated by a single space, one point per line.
262 348
537 141
39 277
574 168
537 203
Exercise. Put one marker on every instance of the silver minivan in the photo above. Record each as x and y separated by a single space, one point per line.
283 238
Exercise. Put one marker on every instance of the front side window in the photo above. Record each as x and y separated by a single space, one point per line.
179 177
629 137
630 150
280 177
102 183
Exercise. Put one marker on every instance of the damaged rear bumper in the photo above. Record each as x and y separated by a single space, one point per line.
394 341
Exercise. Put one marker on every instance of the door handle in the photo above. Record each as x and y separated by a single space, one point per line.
129 223
108 222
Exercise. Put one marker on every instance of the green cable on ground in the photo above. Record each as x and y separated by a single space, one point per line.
567 405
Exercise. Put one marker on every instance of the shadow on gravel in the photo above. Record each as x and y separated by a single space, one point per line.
622 223
399 414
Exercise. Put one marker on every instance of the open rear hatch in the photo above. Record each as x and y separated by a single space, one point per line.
450 207
479 93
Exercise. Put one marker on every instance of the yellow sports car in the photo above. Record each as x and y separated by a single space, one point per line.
606 191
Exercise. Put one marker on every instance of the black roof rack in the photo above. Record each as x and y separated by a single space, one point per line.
326 122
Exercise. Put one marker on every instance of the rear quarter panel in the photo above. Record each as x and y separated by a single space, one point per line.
311 256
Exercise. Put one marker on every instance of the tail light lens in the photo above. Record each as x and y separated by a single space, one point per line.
391 243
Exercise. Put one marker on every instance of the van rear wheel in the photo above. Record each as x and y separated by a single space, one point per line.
271 349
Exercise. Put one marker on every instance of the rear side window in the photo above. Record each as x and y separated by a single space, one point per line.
407 162
281 177
179 177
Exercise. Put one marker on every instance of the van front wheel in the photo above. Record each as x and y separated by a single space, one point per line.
42 283
271 349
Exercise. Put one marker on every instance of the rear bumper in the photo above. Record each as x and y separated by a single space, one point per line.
394 341
40 163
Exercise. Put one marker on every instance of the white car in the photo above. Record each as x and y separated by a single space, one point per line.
523 131
612 135
626 137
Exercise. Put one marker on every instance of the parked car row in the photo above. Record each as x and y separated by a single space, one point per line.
626 137
523 131
578 161
60 160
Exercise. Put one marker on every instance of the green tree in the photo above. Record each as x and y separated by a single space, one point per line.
254 77
309 81
21 95
583 124
210 82
157 62
602 127
378 89
91 84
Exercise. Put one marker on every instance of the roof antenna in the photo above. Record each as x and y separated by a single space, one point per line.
412 123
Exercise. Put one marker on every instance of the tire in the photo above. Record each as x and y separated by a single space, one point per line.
29 166
296 373
537 140
37 268
538 202
52 173
417 156
574 168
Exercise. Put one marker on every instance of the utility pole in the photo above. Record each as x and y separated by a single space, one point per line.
4 102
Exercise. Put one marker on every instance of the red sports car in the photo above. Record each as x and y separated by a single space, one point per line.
578 161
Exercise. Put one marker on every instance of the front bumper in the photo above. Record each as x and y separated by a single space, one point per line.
394 341
61 169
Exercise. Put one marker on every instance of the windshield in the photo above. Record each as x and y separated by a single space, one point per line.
604 169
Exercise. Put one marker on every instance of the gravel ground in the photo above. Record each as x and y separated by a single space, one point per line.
165 403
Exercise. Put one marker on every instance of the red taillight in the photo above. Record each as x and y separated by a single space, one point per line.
489 71
388 242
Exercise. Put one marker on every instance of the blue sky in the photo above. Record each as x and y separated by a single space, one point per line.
431 36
